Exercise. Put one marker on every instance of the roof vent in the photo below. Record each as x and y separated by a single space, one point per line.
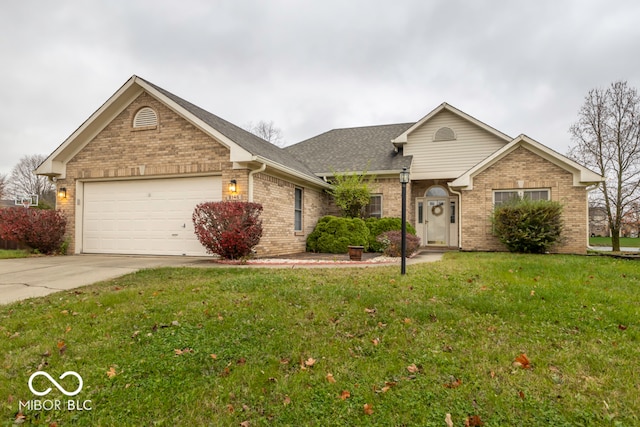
145 117
444 134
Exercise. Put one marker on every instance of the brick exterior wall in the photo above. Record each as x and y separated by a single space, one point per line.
277 198
523 169
172 149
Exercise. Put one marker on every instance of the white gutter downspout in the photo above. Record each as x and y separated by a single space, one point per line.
261 169
459 216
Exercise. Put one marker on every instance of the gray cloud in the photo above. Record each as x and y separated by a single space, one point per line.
522 67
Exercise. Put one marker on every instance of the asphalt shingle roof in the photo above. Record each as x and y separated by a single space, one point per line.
353 150
245 139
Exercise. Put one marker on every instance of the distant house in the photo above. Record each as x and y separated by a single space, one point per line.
598 222
133 172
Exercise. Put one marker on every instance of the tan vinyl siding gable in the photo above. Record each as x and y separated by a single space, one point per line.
448 159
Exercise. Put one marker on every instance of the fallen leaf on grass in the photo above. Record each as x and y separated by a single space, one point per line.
473 421
310 362
62 347
245 424
448 421
375 341
622 327
370 310
454 384
413 368
111 372
213 356
345 395
368 409
286 401
521 394
330 378
185 350
522 361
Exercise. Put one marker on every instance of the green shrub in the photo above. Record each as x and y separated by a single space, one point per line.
528 226
377 226
334 235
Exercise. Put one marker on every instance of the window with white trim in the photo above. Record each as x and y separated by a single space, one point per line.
502 196
297 211
374 208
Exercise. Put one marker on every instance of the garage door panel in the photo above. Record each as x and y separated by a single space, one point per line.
150 217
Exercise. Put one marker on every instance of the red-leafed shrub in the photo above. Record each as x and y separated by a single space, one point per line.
42 230
391 242
228 229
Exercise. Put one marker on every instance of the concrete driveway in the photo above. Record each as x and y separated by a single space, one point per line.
24 278
38 276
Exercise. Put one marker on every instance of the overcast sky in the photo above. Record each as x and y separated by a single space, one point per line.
519 66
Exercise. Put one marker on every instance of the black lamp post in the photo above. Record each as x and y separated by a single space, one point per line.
404 179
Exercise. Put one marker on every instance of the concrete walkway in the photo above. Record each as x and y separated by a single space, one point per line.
24 278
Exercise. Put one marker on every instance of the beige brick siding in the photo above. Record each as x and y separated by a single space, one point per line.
277 198
174 148
526 170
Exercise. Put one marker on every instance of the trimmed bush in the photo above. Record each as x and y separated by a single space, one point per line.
41 230
334 235
527 226
228 229
391 242
377 226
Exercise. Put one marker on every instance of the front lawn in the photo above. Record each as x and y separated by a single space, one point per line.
10 253
337 347
625 242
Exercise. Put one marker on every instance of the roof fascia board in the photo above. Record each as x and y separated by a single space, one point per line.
403 138
292 172
581 175
55 164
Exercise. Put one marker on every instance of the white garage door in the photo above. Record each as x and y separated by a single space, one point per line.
146 216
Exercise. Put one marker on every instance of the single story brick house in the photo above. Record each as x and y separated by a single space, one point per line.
129 177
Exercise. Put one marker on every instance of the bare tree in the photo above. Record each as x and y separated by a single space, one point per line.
3 186
267 131
23 181
607 137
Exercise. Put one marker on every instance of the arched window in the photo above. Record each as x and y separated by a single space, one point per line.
444 134
145 117
437 191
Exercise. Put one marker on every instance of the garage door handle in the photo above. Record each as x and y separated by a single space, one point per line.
184 225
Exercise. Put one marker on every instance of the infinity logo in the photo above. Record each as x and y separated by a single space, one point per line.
55 383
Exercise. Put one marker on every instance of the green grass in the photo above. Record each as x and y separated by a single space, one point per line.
466 318
7 254
627 242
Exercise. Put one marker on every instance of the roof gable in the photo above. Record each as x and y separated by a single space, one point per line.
403 137
581 175
244 146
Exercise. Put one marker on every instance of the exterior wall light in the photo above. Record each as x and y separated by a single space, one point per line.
62 192
233 186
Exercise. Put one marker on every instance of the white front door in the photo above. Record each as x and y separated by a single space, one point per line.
432 215
437 215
